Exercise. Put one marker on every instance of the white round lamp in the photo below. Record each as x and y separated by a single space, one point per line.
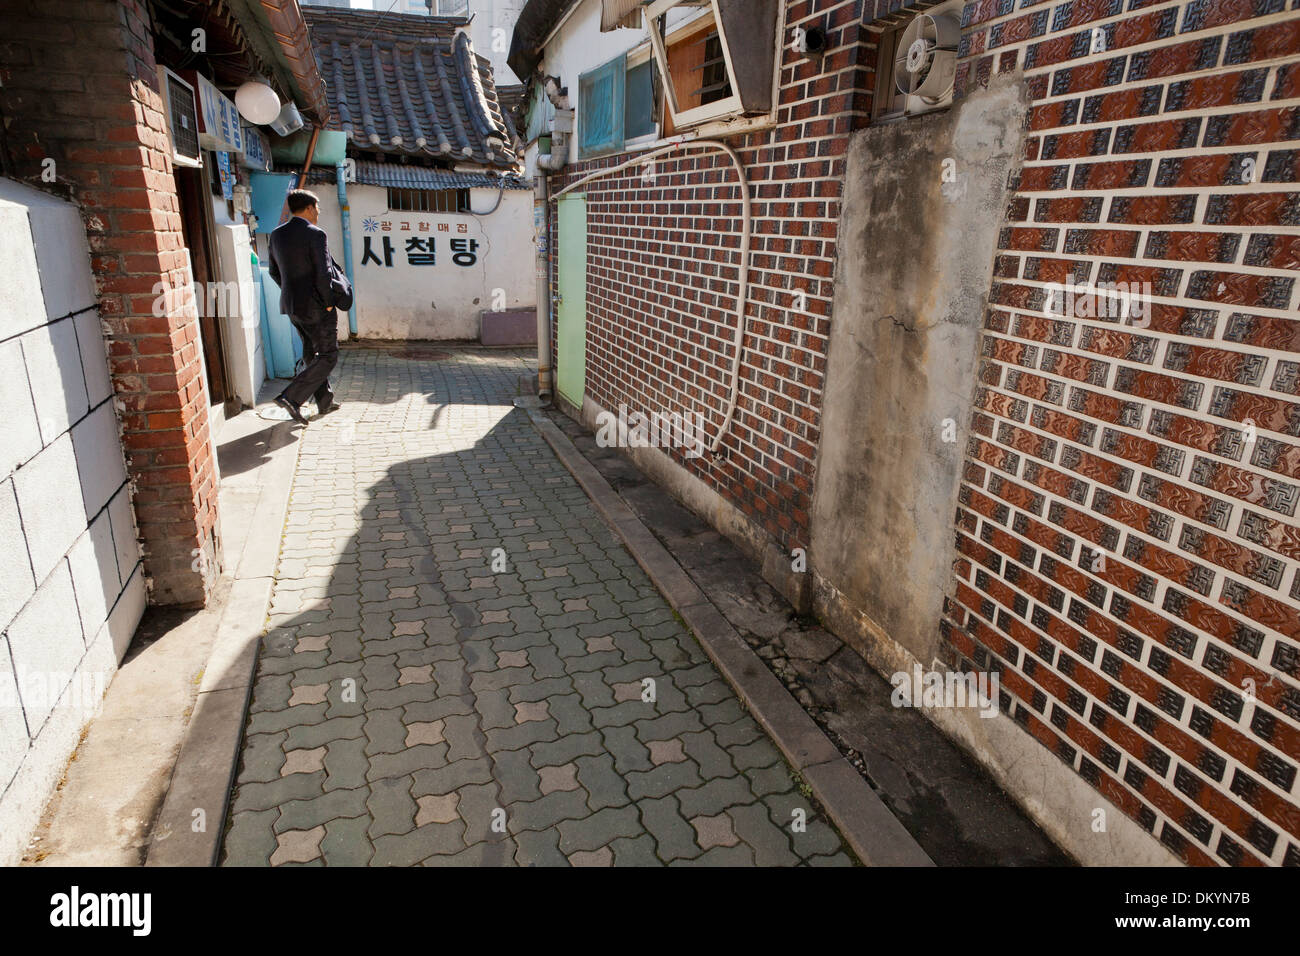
257 102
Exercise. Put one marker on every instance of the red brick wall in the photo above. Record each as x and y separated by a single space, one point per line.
1093 438
80 87
664 264
1169 677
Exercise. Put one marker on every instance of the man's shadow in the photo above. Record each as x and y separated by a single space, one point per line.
401 619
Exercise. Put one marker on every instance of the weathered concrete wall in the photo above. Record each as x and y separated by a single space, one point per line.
915 262
916 259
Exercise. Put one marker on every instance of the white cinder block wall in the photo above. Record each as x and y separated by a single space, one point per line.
71 584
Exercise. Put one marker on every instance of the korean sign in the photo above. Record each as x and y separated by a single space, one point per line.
413 241
219 126
257 149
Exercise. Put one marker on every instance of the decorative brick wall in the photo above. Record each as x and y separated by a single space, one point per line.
1128 547
80 88
663 270
1128 554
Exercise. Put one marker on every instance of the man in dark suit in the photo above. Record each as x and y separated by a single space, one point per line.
311 285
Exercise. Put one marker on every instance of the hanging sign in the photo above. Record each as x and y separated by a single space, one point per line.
219 126
227 175
257 149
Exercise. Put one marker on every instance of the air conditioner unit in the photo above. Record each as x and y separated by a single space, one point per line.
182 118
925 61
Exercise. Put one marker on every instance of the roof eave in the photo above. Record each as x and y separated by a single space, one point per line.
536 21
277 31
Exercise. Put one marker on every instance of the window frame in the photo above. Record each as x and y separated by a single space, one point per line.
725 108
459 3
617 66
638 56
462 200
635 57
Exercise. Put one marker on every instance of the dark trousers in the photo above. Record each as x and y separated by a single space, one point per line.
320 353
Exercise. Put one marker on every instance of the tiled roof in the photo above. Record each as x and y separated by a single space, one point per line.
410 176
409 84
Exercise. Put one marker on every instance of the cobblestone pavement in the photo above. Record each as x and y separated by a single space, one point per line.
460 657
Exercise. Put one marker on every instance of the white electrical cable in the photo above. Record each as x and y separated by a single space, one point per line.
743 293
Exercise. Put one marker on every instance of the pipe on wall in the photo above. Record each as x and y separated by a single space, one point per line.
345 215
302 176
742 294
550 162
541 215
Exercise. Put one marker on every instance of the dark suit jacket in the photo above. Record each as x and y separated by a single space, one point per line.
309 278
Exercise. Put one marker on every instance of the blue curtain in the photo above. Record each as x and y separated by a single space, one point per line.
600 108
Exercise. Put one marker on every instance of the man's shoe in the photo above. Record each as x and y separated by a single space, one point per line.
331 407
294 411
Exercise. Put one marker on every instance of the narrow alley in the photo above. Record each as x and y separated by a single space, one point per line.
458 640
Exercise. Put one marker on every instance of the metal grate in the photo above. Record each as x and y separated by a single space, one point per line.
184 117
428 200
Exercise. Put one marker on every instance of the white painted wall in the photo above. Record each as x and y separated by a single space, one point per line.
443 301
579 46
493 26
71 585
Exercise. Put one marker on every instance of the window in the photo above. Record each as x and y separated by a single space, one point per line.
717 58
699 69
182 119
428 200
918 62
615 105
453 8
639 101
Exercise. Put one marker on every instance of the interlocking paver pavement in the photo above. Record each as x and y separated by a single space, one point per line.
465 667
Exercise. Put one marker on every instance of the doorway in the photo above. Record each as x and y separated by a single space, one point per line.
571 300
195 205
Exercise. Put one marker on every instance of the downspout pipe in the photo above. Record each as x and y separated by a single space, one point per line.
302 176
345 215
552 162
541 215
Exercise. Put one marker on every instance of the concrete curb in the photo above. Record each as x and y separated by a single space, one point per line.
862 818
205 769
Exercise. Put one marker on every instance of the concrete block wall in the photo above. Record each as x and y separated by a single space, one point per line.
72 591
100 133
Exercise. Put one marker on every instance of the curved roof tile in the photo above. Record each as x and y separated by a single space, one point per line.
410 84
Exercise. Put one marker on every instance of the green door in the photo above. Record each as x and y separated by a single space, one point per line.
571 301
